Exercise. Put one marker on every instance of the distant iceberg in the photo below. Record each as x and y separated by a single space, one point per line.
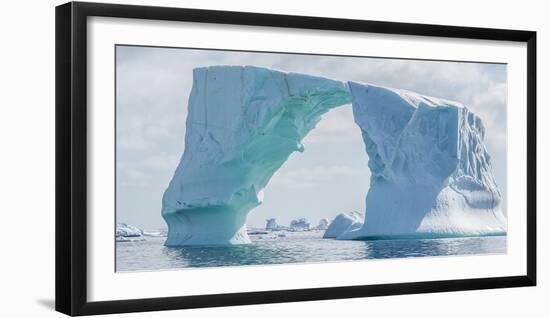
271 224
344 222
323 224
125 230
430 172
299 225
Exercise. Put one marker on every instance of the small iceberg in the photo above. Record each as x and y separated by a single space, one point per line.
299 225
125 230
323 224
344 222
272 224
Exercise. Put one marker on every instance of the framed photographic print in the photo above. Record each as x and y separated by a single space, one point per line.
210 158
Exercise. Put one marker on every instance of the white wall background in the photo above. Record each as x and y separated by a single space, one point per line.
27 160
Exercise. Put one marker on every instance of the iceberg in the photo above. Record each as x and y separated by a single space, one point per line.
323 224
125 230
271 224
344 222
242 125
430 172
299 225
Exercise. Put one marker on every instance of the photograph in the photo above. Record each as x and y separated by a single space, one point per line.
236 158
275 159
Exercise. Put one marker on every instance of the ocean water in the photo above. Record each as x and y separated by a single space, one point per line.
149 253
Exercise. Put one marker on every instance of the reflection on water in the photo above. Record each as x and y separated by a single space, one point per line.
304 247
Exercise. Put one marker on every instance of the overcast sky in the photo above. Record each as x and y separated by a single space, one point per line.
331 176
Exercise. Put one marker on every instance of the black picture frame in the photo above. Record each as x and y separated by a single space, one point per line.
71 157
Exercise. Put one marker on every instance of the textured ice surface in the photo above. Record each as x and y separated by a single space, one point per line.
344 222
431 174
242 125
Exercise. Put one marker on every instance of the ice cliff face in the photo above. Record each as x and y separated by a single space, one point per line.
242 124
430 171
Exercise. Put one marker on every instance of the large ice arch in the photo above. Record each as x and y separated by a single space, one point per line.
431 173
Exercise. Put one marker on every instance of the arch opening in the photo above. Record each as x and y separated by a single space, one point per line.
329 177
